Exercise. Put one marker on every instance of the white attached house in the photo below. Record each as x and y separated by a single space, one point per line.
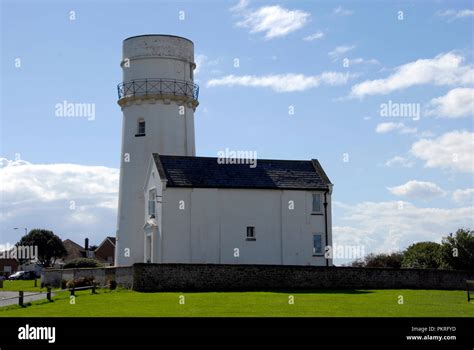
175 207
202 211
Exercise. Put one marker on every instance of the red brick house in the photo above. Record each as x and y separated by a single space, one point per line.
105 252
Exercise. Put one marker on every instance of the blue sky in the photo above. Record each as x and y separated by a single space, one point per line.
405 180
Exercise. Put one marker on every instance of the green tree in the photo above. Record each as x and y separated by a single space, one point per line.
423 255
458 250
392 260
50 246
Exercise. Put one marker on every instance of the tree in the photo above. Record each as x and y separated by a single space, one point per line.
392 260
50 246
423 255
458 250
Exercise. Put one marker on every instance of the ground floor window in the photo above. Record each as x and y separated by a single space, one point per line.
317 244
251 233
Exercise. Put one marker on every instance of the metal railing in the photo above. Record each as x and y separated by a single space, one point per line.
142 87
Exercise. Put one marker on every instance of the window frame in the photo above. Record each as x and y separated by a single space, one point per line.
150 193
320 212
139 124
253 237
314 246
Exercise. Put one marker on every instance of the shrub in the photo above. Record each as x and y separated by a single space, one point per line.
80 282
393 260
112 285
82 263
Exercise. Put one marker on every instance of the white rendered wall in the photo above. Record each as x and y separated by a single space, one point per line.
167 131
214 223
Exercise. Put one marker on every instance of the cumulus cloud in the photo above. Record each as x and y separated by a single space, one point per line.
383 128
393 225
417 190
452 150
462 196
444 69
314 36
273 21
399 161
283 82
75 201
457 103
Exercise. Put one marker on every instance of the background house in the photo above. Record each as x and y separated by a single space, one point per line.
104 253
8 267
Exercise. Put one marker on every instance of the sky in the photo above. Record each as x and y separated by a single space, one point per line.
381 93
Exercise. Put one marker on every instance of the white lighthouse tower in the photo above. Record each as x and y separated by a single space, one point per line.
158 99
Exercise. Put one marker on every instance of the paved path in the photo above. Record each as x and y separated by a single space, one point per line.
27 297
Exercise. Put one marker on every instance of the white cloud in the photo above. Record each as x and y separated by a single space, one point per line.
241 5
314 36
388 226
399 161
444 69
457 103
417 189
202 61
199 60
383 128
339 51
283 82
465 195
274 21
456 14
452 150
360 60
341 11
42 195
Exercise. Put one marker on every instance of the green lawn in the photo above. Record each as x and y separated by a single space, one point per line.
27 286
375 303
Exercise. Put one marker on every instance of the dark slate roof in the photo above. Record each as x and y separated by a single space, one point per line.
206 172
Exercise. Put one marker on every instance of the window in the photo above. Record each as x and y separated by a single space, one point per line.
318 244
152 203
251 233
141 128
317 205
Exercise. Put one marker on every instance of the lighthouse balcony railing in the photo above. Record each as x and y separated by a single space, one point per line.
142 87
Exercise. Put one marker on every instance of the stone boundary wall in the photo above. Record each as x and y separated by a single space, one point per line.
210 277
213 277
122 275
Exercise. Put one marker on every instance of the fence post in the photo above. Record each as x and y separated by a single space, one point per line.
72 291
36 285
48 294
93 288
20 298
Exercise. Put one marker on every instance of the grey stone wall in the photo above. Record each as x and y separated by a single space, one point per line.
207 277
122 275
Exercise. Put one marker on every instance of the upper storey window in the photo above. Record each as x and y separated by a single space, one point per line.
141 128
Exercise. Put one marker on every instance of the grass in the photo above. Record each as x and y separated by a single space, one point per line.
24 285
360 303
